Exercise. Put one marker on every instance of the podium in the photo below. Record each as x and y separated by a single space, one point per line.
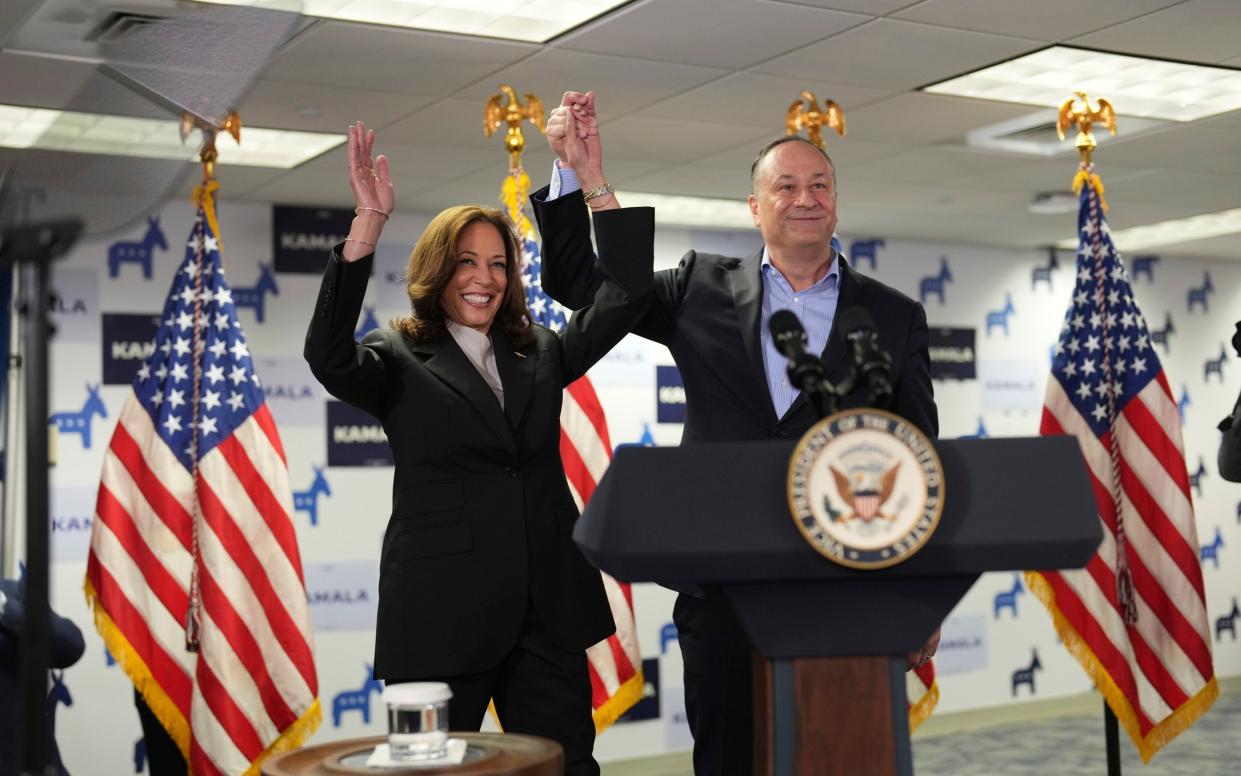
830 685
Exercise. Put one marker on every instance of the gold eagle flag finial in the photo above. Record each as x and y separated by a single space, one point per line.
497 114
208 155
804 113
1084 117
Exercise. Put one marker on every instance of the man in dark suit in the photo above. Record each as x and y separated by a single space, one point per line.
712 313
67 647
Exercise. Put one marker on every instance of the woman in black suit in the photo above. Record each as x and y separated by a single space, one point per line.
480 582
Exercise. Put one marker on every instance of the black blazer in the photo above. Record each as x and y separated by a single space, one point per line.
482 513
707 311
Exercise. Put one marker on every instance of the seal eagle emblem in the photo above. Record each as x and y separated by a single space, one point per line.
866 488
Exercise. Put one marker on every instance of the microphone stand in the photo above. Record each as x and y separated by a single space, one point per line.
33 247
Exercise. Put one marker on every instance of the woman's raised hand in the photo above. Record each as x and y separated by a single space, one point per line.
368 177
373 195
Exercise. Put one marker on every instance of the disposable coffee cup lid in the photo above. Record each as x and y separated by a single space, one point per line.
416 693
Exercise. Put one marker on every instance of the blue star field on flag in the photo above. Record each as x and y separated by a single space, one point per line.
229 388
1080 352
543 309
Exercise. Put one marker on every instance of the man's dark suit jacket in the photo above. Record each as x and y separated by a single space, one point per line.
707 312
482 514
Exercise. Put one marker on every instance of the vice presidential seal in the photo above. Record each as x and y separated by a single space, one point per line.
866 488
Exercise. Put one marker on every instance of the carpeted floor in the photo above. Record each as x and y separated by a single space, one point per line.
1069 746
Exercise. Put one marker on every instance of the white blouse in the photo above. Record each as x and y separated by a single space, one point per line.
477 348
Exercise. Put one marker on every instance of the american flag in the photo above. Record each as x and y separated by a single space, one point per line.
192 523
616 663
1135 616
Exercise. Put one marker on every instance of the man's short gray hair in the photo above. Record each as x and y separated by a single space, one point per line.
762 154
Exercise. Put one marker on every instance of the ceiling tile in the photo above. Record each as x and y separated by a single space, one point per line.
622 84
236 182
890 54
41 82
667 140
1047 20
934 165
285 104
917 118
1195 31
387 59
410 165
1187 147
305 185
727 33
874 7
759 101
696 180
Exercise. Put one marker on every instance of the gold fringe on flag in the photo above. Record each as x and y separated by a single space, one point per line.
921 711
1178 722
132 664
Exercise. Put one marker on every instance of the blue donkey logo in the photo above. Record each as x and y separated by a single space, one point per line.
254 296
866 249
80 422
137 252
934 284
359 699
999 318
1007 599
308 500
1042 273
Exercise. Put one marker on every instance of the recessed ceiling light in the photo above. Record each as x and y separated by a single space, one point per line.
708 213
1136 86
1173 232
94 133
535 21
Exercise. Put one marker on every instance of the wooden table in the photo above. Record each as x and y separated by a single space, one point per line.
489 754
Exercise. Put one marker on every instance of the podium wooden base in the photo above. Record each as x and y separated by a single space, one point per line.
834 716
489 754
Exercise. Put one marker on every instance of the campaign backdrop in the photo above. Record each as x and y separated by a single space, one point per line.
994 313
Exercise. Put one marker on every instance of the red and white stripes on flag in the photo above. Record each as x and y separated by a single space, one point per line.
921 693
616 663
1135 616
193 515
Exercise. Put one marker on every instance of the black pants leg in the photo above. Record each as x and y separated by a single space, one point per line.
718 686
163 756
544 690
539 689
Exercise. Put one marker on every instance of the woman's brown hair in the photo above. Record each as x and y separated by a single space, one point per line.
434 261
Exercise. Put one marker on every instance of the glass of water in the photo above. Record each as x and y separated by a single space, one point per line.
417 720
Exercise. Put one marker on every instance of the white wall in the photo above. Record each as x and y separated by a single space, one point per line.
98 733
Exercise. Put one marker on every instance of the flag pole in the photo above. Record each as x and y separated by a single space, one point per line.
1083 117
1111 732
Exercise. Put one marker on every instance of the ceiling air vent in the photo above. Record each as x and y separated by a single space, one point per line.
1039 133
118 24
1035 134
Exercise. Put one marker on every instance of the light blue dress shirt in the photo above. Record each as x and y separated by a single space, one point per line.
815 306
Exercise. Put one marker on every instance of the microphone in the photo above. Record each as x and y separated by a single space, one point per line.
805 371
873 364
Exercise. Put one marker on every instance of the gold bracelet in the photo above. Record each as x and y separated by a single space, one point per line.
601 204
360 242
358 211
599 192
